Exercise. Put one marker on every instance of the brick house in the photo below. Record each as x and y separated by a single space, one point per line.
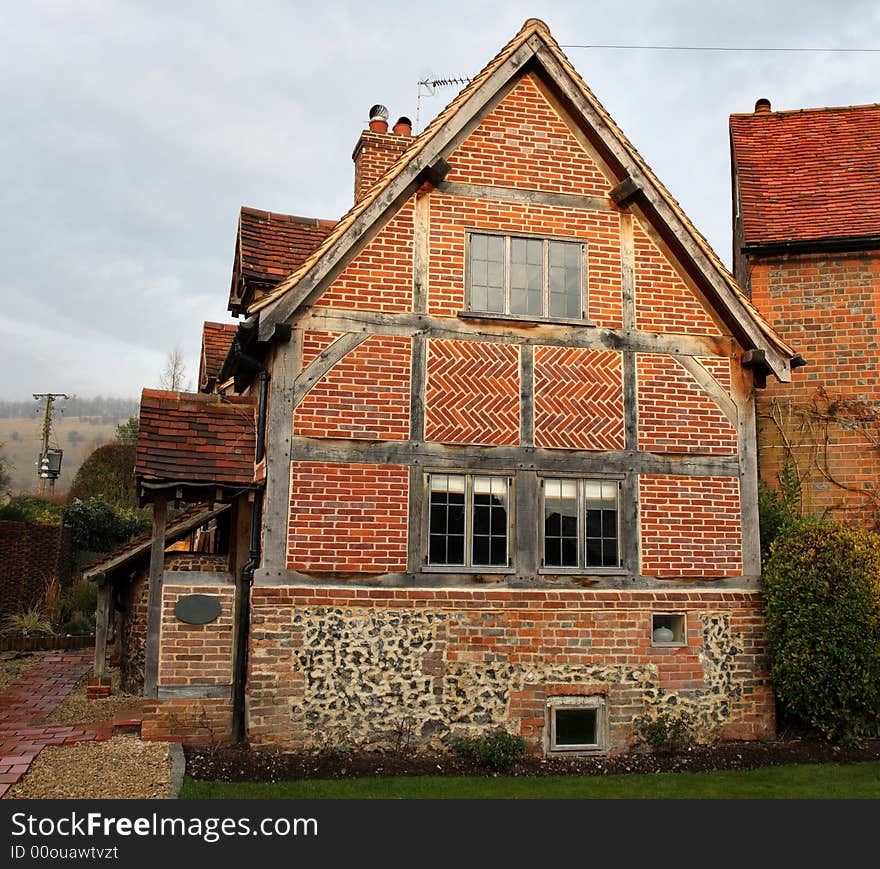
504 469
807 249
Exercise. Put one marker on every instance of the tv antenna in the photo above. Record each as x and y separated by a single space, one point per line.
427 87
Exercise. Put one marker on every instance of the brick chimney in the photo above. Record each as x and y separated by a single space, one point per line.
377 149
762 106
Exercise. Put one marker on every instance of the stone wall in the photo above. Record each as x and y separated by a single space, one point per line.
371 667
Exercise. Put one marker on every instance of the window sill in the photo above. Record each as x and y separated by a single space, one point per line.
460 568
668 645
584 571
526 318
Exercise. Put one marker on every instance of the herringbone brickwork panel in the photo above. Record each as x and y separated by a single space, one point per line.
472 394
578 399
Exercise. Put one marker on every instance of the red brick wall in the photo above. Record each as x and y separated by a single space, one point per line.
472 394
524 123
365 395
664 302
380 276
675 413
194 722
373 156
578 399
452 217
343 666
348 518
827 307
196 654
690 526
315 343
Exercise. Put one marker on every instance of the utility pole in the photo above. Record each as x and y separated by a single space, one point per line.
49 467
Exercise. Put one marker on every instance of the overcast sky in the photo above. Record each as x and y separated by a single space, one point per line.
133 132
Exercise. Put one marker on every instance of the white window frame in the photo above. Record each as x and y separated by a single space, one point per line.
506 313
598 702
582 566
468 565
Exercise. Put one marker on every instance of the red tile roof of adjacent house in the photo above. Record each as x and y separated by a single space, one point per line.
269 247
216 341
196 438
808 174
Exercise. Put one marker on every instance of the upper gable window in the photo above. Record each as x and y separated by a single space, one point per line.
523 276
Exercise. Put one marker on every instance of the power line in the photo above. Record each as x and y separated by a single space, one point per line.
718 48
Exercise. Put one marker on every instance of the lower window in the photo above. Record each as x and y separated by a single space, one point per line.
581 523
469 520
577 724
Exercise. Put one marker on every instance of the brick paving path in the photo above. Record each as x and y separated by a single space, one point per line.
30 700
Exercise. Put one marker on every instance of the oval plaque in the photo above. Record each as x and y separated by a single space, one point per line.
197 609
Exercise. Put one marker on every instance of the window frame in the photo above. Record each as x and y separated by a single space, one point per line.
468 566
582 566
599 702
506 313
659 619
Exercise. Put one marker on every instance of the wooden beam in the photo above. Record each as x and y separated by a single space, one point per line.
528 515
323 363
286 366
527 395
416 521
709 385
510 458
514 332
102 623
154 601
747 443
625 192
525 196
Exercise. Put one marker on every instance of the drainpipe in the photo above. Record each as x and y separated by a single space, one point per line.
247 577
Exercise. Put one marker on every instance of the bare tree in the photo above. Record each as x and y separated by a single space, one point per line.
173 377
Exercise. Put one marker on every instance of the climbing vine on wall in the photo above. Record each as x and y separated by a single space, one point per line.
810 434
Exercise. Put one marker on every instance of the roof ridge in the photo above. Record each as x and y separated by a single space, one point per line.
288 218
807 110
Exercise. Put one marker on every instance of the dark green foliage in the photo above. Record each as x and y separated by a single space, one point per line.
498 752
822 603
97 526
78 605
108 474
778 508
29 508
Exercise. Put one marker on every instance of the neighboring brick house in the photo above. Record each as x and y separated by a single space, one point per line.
509 475
806 190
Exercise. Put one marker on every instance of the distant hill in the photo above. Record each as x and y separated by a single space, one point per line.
78 427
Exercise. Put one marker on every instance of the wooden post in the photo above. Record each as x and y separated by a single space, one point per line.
102 623
154 606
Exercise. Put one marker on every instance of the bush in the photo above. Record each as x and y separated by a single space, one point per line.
29 508
822 603
498 752
78 605
108 474
97 526
666 733
778 509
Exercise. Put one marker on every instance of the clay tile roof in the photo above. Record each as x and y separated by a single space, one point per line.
182 523
196 438
808 174
270 246
216 341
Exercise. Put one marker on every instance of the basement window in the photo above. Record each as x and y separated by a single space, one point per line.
468 520
526 276
668 629
577 724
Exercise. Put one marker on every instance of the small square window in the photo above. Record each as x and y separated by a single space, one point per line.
668 629
577 725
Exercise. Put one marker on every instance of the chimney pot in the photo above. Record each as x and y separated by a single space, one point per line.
379 118
762 106
403 127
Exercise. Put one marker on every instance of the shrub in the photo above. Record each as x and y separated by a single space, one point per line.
778 509
108 474
29 508
78 604
97 526
822 603
498 752
665 732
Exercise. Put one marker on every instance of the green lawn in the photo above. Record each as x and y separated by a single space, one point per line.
823 781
